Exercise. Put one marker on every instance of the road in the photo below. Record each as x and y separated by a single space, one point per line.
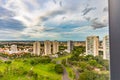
76 73
65 75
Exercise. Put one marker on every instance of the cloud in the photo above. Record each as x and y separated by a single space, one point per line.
51 19
87 10
51 14
4 13
105 9
82 29
10 34
94 19
11 24
54 1
41 33
87 18
60 3
96 24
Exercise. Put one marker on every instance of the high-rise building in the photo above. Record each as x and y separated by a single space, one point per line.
55 47
69 46
106 52
36 48
14 49
92 45
47 47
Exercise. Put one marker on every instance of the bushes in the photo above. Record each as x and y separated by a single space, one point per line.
33 62
30 73
58 68
93 62
33 74
19 71
1 74
43 60
8 62
90 75
64 62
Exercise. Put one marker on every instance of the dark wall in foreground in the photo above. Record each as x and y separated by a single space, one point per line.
114 6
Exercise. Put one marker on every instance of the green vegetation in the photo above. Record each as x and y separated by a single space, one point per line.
22 69
71 73
90 75
89 67
59 69
78 66
63 57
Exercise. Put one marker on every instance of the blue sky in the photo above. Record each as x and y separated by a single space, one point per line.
53 19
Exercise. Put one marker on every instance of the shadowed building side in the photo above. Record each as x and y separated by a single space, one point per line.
106 52
92 45
69 46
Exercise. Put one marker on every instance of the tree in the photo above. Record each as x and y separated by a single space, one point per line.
1 74
93 62
88 75
33 62
30 73
58 68
99 60
89 57
35 76
8 62
64 62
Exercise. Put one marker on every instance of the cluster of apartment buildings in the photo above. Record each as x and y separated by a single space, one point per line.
93 46
49 47
38 48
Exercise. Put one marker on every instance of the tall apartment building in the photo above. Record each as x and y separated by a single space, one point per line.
92 45
106 52
47 47
55 47
36 48
69 46
14 49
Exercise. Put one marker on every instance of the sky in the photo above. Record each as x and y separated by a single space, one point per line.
53 19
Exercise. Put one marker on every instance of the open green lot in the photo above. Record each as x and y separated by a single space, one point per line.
22 68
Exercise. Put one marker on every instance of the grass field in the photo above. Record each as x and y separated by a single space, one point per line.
44 71
64 57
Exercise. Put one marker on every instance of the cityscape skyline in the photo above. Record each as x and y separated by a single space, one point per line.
53 19
54 40
92 44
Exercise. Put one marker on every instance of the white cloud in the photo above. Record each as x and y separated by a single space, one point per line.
82 29
6 34
33 14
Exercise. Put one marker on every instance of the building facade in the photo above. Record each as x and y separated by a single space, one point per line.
47 47
55 47
106 52
69 46
36 48
92 45
13 49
